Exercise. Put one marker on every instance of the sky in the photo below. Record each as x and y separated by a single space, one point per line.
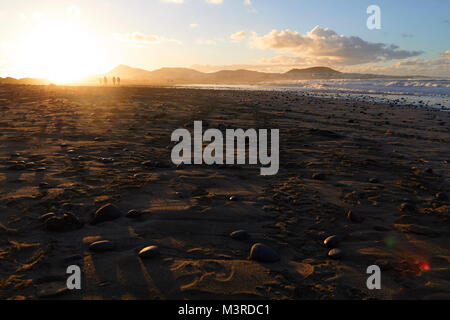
65 40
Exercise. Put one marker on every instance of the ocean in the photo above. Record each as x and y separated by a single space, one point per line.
423 92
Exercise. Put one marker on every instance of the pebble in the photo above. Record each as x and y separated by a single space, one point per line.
17 167
441 196
133 214
107 160
406 206
354 217
239 235
149 252
101 246
67 222
46 216
332 241
263 253
374 180
106 213
335 253
44 185
318 176
147 163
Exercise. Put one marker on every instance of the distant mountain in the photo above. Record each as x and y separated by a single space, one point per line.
315 70
126 72
28 81
189 76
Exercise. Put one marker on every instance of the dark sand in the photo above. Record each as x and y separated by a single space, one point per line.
88 145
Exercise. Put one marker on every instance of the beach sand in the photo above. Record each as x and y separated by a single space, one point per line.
74 149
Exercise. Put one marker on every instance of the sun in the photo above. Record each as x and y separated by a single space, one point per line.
59 51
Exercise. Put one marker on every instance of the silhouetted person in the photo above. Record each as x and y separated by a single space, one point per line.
114 81
105 80
118 81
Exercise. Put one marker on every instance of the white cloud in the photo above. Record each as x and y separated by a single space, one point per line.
193 25
325 46
214 1
140 38
247 2
238 35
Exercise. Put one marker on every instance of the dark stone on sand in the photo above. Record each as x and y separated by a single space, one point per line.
335 253
407 207
318 176
332 241
46 216
43 185
107 160
239 235
133 214
354 217
101 246
441 196
16 167
106 213
374 180
429 170
67 222
263 253
50 294
180 166
149 252
147 163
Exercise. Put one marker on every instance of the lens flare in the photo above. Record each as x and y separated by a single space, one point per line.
390 242
423 265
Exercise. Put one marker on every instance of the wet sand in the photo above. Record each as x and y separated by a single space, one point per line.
71 150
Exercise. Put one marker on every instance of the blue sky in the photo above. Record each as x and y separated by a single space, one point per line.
268 35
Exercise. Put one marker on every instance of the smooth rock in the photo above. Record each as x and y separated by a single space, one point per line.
44 185
147 163
67 222
332 241
133 214
46 216
441 196
354 217
318 176
407 207
263 253
101 246
149 252
239 235
106 213
335 253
